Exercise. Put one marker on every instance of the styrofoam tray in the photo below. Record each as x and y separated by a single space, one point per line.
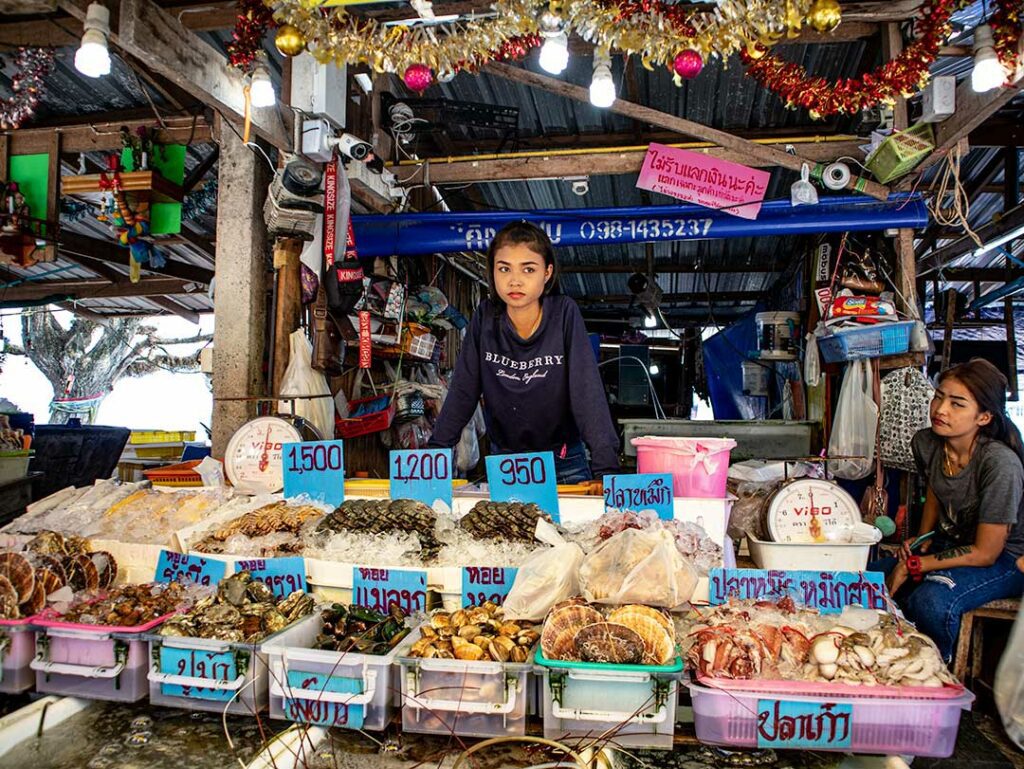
827 556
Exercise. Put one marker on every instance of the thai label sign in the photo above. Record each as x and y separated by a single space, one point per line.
643 491
379 588
317 710
198 663
784 724
175 567
827 591
696 178
486 583
282 575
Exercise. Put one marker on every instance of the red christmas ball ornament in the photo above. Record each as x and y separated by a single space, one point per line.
418 77
688 64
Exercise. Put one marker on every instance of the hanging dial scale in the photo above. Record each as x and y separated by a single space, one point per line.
253 460
810 510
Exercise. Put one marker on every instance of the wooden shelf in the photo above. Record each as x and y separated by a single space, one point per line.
140 185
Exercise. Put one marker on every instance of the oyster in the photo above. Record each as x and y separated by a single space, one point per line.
609 642
298 604
380 516
503 520
16 568
560 628
233 588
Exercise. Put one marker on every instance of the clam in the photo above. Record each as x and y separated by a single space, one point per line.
501 648
458 618
469 632
464 650
609 642
519 654
440 619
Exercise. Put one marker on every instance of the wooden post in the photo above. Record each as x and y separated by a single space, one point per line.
288 311
52 199
947 331
1011 348
240 286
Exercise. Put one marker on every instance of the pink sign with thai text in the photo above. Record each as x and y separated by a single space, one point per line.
697 178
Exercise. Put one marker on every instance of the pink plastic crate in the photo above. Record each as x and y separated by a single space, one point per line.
699 466
882 725
16 652
92 661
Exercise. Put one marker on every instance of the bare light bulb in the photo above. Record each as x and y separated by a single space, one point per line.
654 369
602 87
988 71
554 54
92 58
261 89
649 320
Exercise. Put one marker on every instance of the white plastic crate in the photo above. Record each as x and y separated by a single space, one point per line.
634 705
16 653
96 663
827 556
219 676
881 725
327 688
468 699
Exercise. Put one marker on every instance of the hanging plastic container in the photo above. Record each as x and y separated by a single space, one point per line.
777 333
699 466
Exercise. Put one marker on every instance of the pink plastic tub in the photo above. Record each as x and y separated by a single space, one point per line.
699 466
881 725
16 653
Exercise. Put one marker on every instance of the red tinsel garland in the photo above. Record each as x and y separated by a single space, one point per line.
32 66
901 76
251 25
1006 29
516 48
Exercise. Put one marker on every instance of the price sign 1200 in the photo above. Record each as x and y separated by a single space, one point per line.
316 468
424 475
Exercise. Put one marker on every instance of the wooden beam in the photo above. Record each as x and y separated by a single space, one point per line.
176 308
700 297
75 245
106 136
196 174
940 257
154 36
97 289
768 155
596 163
26 7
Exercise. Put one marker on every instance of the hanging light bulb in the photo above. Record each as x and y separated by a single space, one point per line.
988 71
654 369
554 54
602 85
92 58
649 320
261 89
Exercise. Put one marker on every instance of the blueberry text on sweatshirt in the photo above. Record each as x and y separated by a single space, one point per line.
539 393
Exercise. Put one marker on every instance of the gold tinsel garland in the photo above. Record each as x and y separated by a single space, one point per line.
333 35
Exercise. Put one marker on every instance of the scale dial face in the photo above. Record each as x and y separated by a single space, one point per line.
253 460
808 509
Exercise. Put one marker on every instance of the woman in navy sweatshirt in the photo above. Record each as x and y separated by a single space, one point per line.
527 353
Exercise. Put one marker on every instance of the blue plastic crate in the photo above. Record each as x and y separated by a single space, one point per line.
869 342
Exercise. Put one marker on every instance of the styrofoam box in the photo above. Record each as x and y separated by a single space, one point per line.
240 688
468 699
16 653
135 562
890 726
94 664
830 556
637 709
328 688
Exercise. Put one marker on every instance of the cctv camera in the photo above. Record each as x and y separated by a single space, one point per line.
581 187
354 147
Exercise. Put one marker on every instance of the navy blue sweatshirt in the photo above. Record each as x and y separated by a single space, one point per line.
539 393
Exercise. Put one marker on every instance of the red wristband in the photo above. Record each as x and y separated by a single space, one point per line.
914 567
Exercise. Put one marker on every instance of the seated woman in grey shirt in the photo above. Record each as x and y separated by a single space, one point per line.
973 461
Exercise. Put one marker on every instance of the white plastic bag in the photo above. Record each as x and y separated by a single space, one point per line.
854 425
1009 687
638 566
545 578
812 363
300 379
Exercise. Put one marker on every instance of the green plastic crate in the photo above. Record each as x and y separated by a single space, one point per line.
900 153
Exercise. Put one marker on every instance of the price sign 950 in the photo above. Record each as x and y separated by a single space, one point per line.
422 474
524 478
316 468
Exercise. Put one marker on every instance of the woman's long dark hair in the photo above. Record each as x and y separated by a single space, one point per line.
535 239
988 386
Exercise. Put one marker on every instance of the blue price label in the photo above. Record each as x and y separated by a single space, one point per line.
785 724
282 575
524 478
197 663
177 567
379 588
643 491
316 468
424 475
317 710
486 583
827 591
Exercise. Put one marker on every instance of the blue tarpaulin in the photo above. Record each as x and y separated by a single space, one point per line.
411 234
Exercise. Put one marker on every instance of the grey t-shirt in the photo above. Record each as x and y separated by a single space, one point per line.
990 489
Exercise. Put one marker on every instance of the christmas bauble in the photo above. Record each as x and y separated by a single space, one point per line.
418 77
289 41
825 15
688 64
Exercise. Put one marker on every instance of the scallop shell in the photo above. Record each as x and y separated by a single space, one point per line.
50 563
82 573
48 543
36 601
8 600
51 582
658 645
19 571
638 608
561 627
576 600
106 566
609 642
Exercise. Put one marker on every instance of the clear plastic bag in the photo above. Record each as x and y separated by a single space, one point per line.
636 566
300 379
545 578
854 426
1009 686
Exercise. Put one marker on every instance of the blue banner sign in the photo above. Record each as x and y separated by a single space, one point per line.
486 583
804 725
643 491
827 591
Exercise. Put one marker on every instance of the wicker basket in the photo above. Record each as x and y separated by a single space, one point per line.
900 153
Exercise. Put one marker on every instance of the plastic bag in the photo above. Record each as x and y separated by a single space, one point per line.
906 400
636 566
300 379
853 429
812 363
1009 687
545 578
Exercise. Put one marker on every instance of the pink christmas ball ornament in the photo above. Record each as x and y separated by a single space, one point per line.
418 77
688 64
